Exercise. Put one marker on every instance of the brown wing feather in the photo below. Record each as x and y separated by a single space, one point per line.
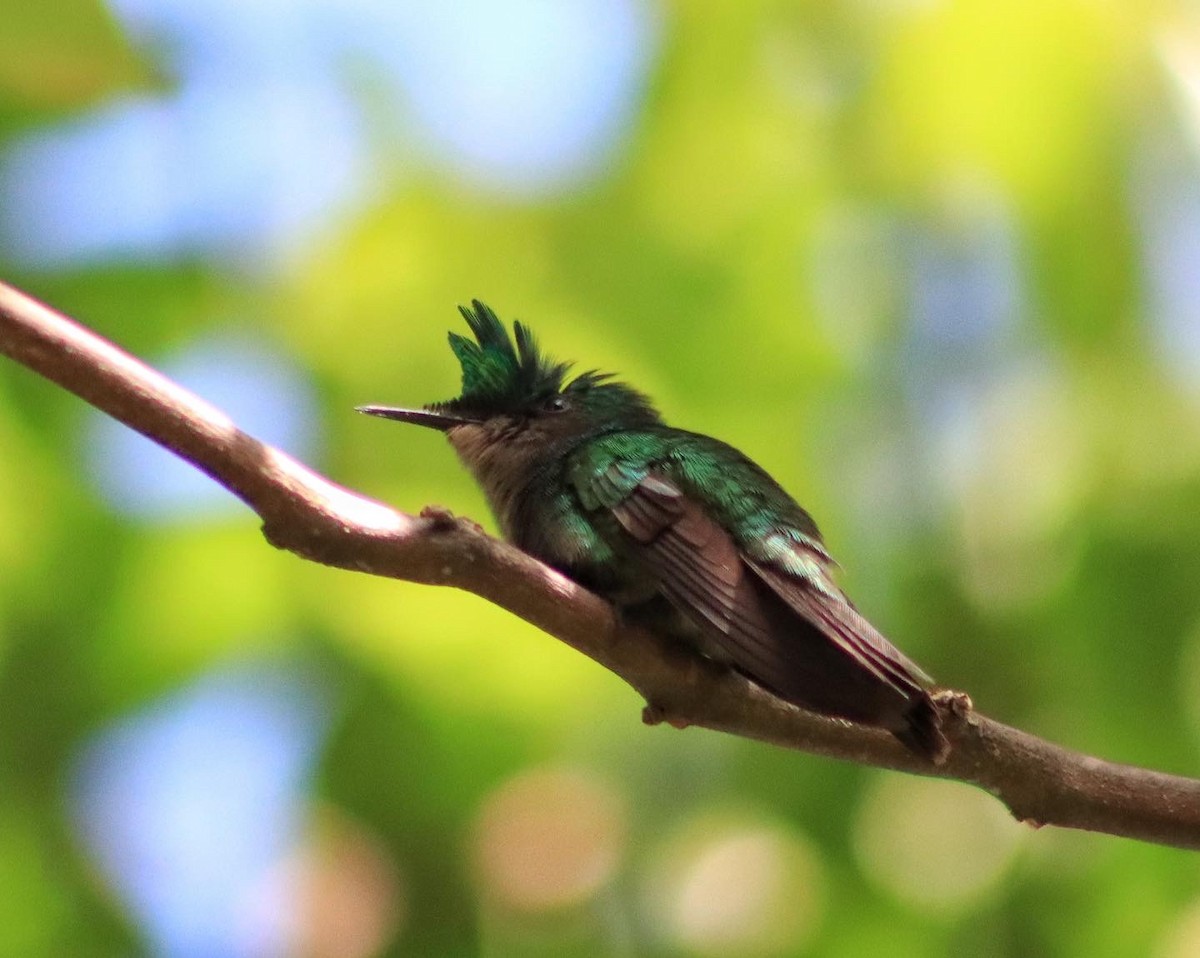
833 614
807 645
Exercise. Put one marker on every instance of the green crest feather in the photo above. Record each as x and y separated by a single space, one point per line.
508 374
498 372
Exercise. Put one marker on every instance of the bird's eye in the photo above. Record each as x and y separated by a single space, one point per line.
557 404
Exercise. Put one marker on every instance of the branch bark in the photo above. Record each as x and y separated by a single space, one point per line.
1040 783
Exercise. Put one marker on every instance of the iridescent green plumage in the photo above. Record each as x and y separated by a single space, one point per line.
503 374
671 525
497 373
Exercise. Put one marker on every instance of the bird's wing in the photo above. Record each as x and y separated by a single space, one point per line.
768 605
695 562
826 607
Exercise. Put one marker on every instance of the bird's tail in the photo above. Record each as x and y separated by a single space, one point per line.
923 731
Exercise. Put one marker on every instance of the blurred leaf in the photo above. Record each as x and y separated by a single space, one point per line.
63 55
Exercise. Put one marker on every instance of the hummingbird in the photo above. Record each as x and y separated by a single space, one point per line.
676 529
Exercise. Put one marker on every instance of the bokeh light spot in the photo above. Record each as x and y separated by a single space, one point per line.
736 886
188 806
522 95
938 846
549 838
1012 460
350 897
246 169
1167 193
1182 937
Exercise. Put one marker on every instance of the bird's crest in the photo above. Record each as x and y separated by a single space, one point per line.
508 374
499 371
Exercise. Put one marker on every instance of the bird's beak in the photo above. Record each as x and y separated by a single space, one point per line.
421 417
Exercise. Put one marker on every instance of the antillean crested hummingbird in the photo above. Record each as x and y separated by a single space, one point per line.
583 474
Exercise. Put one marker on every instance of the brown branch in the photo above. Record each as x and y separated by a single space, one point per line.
305 513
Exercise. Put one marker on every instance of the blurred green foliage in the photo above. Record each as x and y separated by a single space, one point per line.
62 57
744 260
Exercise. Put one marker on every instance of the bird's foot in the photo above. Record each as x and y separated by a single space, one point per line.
954 702
956 709
440 516
655 715
444 520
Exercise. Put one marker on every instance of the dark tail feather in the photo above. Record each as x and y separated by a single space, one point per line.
923 731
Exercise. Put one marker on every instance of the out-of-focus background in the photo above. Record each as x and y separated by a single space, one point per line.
934 263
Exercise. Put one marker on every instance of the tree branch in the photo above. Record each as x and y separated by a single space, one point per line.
303 512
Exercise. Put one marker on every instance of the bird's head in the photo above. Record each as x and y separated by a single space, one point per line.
511 392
